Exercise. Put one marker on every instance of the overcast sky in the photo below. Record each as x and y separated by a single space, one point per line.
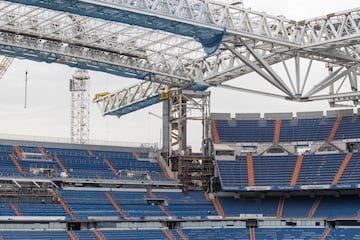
49 99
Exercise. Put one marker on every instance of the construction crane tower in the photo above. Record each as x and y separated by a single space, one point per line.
80 105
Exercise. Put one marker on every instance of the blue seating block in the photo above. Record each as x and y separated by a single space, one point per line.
289 233
235 207
36 235
151 234
344 233
217 233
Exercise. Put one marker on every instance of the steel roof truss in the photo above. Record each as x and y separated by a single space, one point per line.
333 77
263 93
268 75
268 68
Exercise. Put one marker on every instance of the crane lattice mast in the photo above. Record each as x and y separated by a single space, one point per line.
80 105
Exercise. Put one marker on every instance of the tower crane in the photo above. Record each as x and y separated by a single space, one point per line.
79 88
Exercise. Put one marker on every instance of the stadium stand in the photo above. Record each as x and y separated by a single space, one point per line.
346 128
245 130
41 209
274 192
6 210
39 235
85 204
85 234
277 171
301 128
217 233
343 233
338 207
289 233
193 205
237 207
327 207
304 167
297 207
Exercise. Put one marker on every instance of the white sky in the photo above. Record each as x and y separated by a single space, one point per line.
49 99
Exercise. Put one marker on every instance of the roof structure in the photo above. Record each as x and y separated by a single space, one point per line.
184 43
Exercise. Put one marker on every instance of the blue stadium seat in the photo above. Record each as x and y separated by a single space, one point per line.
193 205
235 207
347 233
152 234
292 130
217 233
86 204
289 233
36 235
340 207
85 235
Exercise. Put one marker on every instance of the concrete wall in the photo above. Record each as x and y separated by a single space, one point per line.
247 116
220 116
332 113
274 116
318 114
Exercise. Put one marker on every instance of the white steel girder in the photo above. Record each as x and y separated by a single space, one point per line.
49 31
145 92
212 15
298 88
174 52
4 65
294 88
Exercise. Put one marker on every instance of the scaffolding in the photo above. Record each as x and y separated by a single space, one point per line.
194 170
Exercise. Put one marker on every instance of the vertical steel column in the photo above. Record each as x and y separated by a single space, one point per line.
184 106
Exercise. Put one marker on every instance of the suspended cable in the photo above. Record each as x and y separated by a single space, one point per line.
26 80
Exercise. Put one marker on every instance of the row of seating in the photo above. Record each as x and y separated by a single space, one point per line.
155 234
145 234
294 207
291 130
90 204
39 235
269 170
79 163
137 204
191 233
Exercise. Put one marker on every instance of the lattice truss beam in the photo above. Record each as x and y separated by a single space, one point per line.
168 42
144 93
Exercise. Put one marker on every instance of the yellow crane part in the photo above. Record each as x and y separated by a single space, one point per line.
165 93
99 95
